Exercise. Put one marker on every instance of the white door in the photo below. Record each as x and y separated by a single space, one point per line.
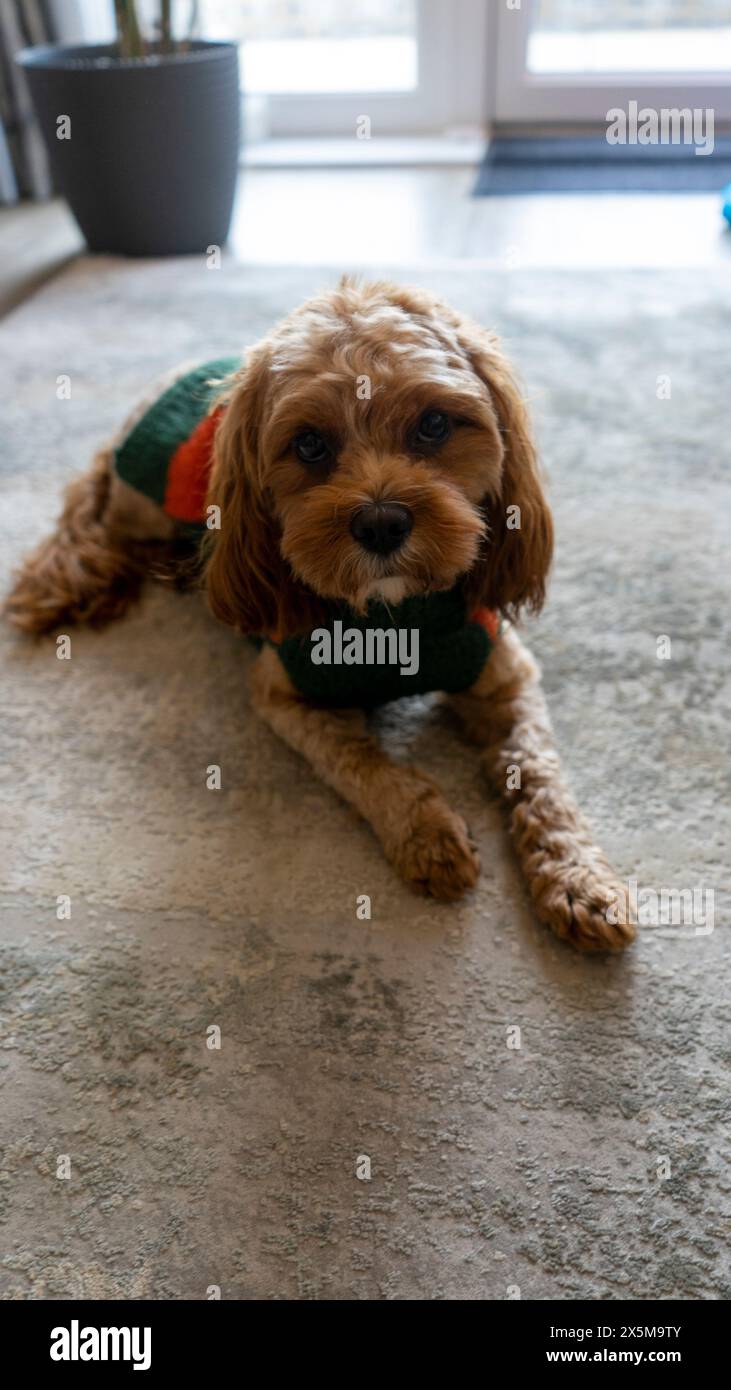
571 60
410 66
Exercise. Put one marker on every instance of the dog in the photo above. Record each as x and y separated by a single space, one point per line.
370 459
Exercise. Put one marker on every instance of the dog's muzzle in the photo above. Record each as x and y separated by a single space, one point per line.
381 527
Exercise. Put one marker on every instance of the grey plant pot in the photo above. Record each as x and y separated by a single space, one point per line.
150 165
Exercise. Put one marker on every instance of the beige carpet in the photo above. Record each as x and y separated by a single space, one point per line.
544 1168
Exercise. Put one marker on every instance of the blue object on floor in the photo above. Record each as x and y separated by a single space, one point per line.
727 203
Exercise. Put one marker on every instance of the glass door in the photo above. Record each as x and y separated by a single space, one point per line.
409 66
571 60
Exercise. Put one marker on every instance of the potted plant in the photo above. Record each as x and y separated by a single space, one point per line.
142 136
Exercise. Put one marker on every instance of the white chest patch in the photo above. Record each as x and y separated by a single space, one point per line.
390 590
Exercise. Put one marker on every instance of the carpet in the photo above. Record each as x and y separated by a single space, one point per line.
588 164
139 1160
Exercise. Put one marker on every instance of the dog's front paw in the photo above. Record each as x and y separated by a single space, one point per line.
583 904
434 853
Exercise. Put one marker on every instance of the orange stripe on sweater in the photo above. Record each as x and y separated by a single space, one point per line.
189 471
488 618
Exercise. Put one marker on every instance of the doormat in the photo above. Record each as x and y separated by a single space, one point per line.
587 164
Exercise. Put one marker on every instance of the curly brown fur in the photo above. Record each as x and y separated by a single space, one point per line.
569 879
285 543
425 840
360 365
79 574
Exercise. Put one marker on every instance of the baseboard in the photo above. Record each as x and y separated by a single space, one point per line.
382 151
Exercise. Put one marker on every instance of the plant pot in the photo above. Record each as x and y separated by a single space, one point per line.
150 165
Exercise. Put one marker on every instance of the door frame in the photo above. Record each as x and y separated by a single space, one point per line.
451 90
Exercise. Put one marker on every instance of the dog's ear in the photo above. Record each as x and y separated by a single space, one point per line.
513 566
250 585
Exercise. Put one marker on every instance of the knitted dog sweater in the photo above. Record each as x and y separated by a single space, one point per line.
167 456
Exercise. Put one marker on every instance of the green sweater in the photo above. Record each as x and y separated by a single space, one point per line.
167 456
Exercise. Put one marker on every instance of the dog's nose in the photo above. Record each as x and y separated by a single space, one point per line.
381 527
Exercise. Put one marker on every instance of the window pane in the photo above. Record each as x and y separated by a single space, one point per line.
585 36
319 45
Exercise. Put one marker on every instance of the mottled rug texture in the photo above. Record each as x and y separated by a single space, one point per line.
592 1161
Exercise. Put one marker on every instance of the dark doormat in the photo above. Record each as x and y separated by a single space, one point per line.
587 164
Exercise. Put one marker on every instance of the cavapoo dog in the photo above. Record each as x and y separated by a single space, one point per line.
364 470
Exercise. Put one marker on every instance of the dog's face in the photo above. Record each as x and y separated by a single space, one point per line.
371 448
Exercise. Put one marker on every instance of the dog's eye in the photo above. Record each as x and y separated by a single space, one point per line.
310 447
434 427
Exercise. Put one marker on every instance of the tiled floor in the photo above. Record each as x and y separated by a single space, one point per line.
407 216
415 215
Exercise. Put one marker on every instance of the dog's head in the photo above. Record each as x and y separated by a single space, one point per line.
374 446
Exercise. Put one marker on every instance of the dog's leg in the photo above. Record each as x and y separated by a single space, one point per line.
91 569
423 838
570 881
